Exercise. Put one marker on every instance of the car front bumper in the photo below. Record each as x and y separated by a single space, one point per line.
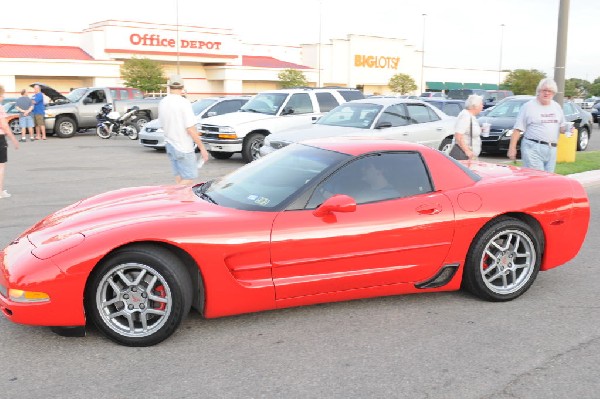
220 145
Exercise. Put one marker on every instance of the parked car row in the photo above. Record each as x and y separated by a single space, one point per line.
502 119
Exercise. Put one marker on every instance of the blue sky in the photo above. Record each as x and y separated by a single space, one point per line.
458 33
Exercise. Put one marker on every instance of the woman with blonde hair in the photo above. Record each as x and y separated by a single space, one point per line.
4 131
467 132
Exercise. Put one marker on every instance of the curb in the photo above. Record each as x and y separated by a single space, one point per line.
589 178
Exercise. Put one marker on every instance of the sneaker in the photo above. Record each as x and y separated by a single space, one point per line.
23 139
31 139
4 194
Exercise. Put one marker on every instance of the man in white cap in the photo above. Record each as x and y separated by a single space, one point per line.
179 124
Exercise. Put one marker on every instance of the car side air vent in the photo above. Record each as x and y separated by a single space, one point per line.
442 277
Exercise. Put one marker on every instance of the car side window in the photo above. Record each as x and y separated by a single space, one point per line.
395 114
419 113
225 107
123 94
452 109
97 97
376 177
299 103
114 94
326 101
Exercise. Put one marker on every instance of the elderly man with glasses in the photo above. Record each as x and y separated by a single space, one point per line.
542 120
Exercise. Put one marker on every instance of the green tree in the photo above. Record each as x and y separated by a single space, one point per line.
292 78
402 83
523 81
577 87
595 87
144 74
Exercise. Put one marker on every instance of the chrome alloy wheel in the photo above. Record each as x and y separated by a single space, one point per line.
134 300
508 262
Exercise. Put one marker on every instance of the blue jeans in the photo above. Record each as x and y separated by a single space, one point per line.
184 164
538 156
26 121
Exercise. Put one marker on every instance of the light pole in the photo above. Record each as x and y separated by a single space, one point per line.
500 62
423 57
320 31
177 34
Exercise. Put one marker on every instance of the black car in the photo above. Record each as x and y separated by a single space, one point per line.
503 117
447 106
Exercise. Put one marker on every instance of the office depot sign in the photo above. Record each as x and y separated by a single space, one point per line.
158 41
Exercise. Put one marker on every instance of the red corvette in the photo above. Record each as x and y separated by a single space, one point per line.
315 222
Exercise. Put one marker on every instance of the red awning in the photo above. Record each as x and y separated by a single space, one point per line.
269 62
43 52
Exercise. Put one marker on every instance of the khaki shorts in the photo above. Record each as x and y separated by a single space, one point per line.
38 119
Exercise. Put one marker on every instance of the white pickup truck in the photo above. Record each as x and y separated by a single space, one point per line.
269 112
66 114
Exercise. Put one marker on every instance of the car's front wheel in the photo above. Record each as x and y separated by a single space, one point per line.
251 147
15 126
503 260
65 127
139 295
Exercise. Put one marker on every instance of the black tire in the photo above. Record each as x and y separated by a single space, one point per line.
65 127
15 126
162 305
141 119
251 147
446 145
220 154
503 260
131 131
103 132
583 139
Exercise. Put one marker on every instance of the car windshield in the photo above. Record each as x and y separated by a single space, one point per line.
271 182
76 94
8 107
360 115
265 103
201 105
506 109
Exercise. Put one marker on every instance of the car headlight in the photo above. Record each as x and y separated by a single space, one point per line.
57 245
226 129
509 132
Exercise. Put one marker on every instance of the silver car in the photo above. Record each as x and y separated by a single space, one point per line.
152 134
386 117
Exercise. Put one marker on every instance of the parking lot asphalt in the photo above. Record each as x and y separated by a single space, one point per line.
44 176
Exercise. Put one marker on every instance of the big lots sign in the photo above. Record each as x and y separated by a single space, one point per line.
154 40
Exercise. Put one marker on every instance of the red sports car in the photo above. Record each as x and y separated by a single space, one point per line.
315 222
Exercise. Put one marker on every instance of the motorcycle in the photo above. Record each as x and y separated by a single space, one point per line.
111 123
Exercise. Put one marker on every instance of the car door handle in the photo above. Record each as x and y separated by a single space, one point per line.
314 118
429 209
439 129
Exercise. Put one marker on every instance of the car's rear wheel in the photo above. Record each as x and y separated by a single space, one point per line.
446 145
220 154
251 147
503 260
583 139
139 295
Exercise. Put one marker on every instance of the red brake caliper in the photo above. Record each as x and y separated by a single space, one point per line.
160 290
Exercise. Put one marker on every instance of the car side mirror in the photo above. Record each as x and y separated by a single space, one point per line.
337 203
383 125
287 111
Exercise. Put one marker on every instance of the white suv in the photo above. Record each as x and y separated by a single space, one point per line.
269 112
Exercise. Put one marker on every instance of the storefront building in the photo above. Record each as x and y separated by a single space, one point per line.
212 61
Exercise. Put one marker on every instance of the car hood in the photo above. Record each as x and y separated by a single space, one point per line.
498 123
122 209
153 124
315 132
51 93
235 118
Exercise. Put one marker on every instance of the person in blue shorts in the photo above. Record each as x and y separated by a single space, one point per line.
24 105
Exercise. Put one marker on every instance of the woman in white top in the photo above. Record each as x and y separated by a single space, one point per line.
467 132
